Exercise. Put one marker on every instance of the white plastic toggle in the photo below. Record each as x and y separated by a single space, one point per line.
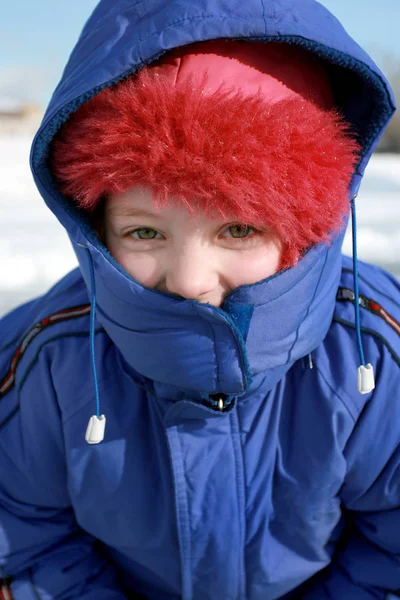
95 429
365 379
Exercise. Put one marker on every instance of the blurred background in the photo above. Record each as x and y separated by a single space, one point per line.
36 38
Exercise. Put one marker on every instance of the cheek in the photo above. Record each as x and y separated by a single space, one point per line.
142 266
251 267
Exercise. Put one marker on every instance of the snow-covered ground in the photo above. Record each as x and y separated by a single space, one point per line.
35 251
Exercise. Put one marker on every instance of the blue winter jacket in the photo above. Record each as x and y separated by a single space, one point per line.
240 462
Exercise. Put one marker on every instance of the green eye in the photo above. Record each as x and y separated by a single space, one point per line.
145 233
240 231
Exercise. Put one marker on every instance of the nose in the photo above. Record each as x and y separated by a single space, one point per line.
193 274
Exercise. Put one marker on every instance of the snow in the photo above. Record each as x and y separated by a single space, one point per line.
35 250
9 105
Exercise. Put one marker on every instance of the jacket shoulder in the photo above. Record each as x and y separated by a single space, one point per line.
372 449
337 359
68 292
379 301
40 338
63 310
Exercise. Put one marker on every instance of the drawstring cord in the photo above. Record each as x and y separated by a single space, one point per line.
92 347
97 423
365 373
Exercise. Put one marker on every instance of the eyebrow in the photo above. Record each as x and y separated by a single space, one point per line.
130 212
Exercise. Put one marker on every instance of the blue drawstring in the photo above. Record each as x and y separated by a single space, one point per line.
92 326
355 278
365 373
97 423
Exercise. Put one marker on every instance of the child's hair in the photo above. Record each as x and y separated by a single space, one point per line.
283 164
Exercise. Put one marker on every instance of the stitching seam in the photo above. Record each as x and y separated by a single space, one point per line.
263 16
241 494
353 414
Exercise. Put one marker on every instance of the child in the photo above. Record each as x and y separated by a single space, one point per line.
214 345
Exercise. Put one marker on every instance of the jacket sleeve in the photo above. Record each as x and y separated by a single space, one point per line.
366 566
44 554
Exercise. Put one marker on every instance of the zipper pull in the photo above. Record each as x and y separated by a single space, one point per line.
220 399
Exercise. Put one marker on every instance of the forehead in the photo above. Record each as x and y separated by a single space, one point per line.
140 202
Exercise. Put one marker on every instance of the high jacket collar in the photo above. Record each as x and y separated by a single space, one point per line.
260 330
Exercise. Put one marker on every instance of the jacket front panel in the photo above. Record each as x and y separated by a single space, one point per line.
201 504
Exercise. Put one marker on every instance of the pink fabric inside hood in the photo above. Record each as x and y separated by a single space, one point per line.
279 71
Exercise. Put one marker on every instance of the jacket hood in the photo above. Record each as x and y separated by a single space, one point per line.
261 329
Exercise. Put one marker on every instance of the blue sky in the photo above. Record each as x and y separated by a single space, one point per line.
36 37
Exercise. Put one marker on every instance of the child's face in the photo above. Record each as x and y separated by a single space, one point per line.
200 259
